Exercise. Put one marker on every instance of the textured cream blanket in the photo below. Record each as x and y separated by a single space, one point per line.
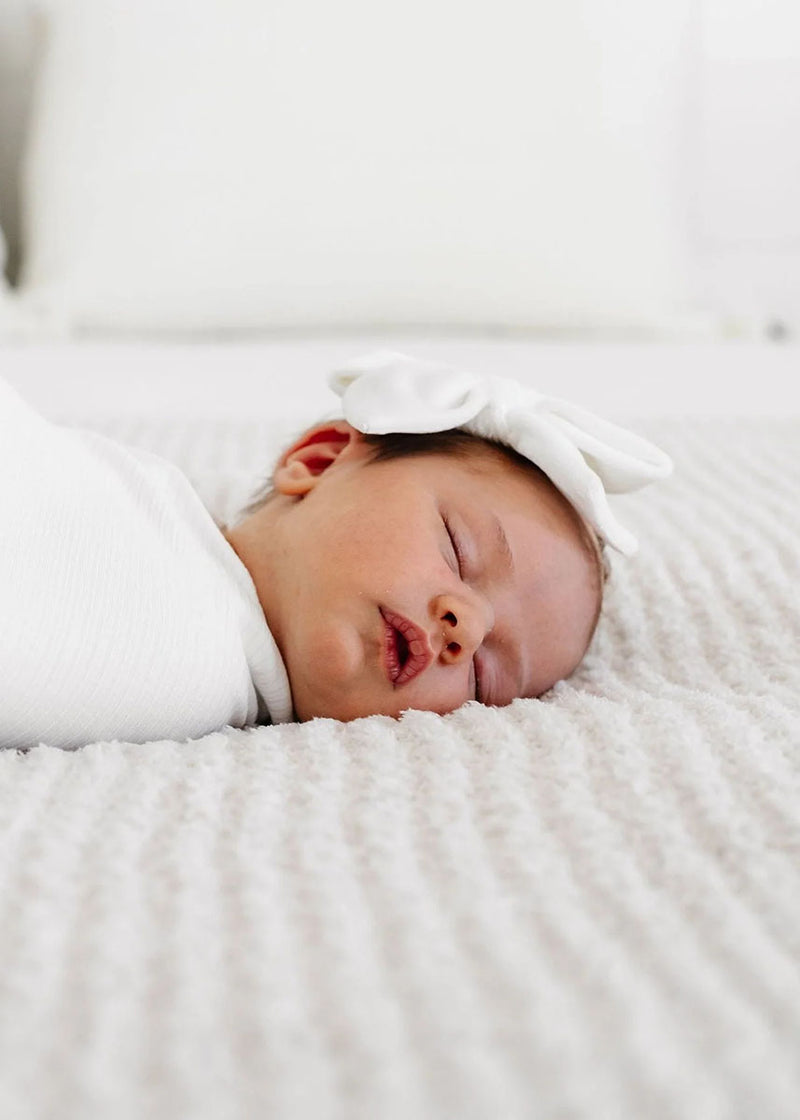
582 907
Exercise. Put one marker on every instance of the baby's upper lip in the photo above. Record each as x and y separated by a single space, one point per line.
406 655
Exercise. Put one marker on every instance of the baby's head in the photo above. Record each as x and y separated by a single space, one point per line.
418 571
453 554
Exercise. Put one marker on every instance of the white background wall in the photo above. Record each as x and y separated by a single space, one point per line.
742 152
743 158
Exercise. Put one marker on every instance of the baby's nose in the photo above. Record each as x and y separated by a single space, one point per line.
461 627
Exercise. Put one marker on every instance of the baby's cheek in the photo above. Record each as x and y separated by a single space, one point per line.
339 654
325 665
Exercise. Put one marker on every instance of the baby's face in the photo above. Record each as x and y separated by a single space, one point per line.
419 582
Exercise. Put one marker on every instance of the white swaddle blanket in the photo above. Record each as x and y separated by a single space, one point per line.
125 612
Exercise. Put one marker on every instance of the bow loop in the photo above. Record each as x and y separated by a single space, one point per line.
389 392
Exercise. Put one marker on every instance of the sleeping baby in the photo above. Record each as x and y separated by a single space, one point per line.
441 539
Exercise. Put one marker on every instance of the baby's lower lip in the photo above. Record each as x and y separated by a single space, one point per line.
419 653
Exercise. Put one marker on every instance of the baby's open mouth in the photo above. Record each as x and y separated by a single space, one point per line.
407 648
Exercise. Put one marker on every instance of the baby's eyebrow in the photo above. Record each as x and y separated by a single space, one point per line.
507 556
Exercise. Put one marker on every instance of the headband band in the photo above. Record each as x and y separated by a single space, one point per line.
584 456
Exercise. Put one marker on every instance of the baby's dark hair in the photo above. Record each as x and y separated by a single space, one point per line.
400 445
464 445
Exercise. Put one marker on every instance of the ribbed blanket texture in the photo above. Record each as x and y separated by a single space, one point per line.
582 907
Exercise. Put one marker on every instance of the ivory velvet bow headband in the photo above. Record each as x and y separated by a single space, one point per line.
585 456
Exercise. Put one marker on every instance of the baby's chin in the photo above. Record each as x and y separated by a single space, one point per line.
362 706
318 696
345 709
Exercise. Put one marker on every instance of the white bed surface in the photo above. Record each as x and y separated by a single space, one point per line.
580 908
256 379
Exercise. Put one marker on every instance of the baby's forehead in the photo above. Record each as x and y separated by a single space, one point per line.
481 472
494 462
538 493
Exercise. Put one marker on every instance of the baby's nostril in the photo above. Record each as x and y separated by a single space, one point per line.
454 647
451 618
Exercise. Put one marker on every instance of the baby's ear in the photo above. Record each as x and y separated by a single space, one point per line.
300 467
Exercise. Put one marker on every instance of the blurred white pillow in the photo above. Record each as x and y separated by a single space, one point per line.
236 164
